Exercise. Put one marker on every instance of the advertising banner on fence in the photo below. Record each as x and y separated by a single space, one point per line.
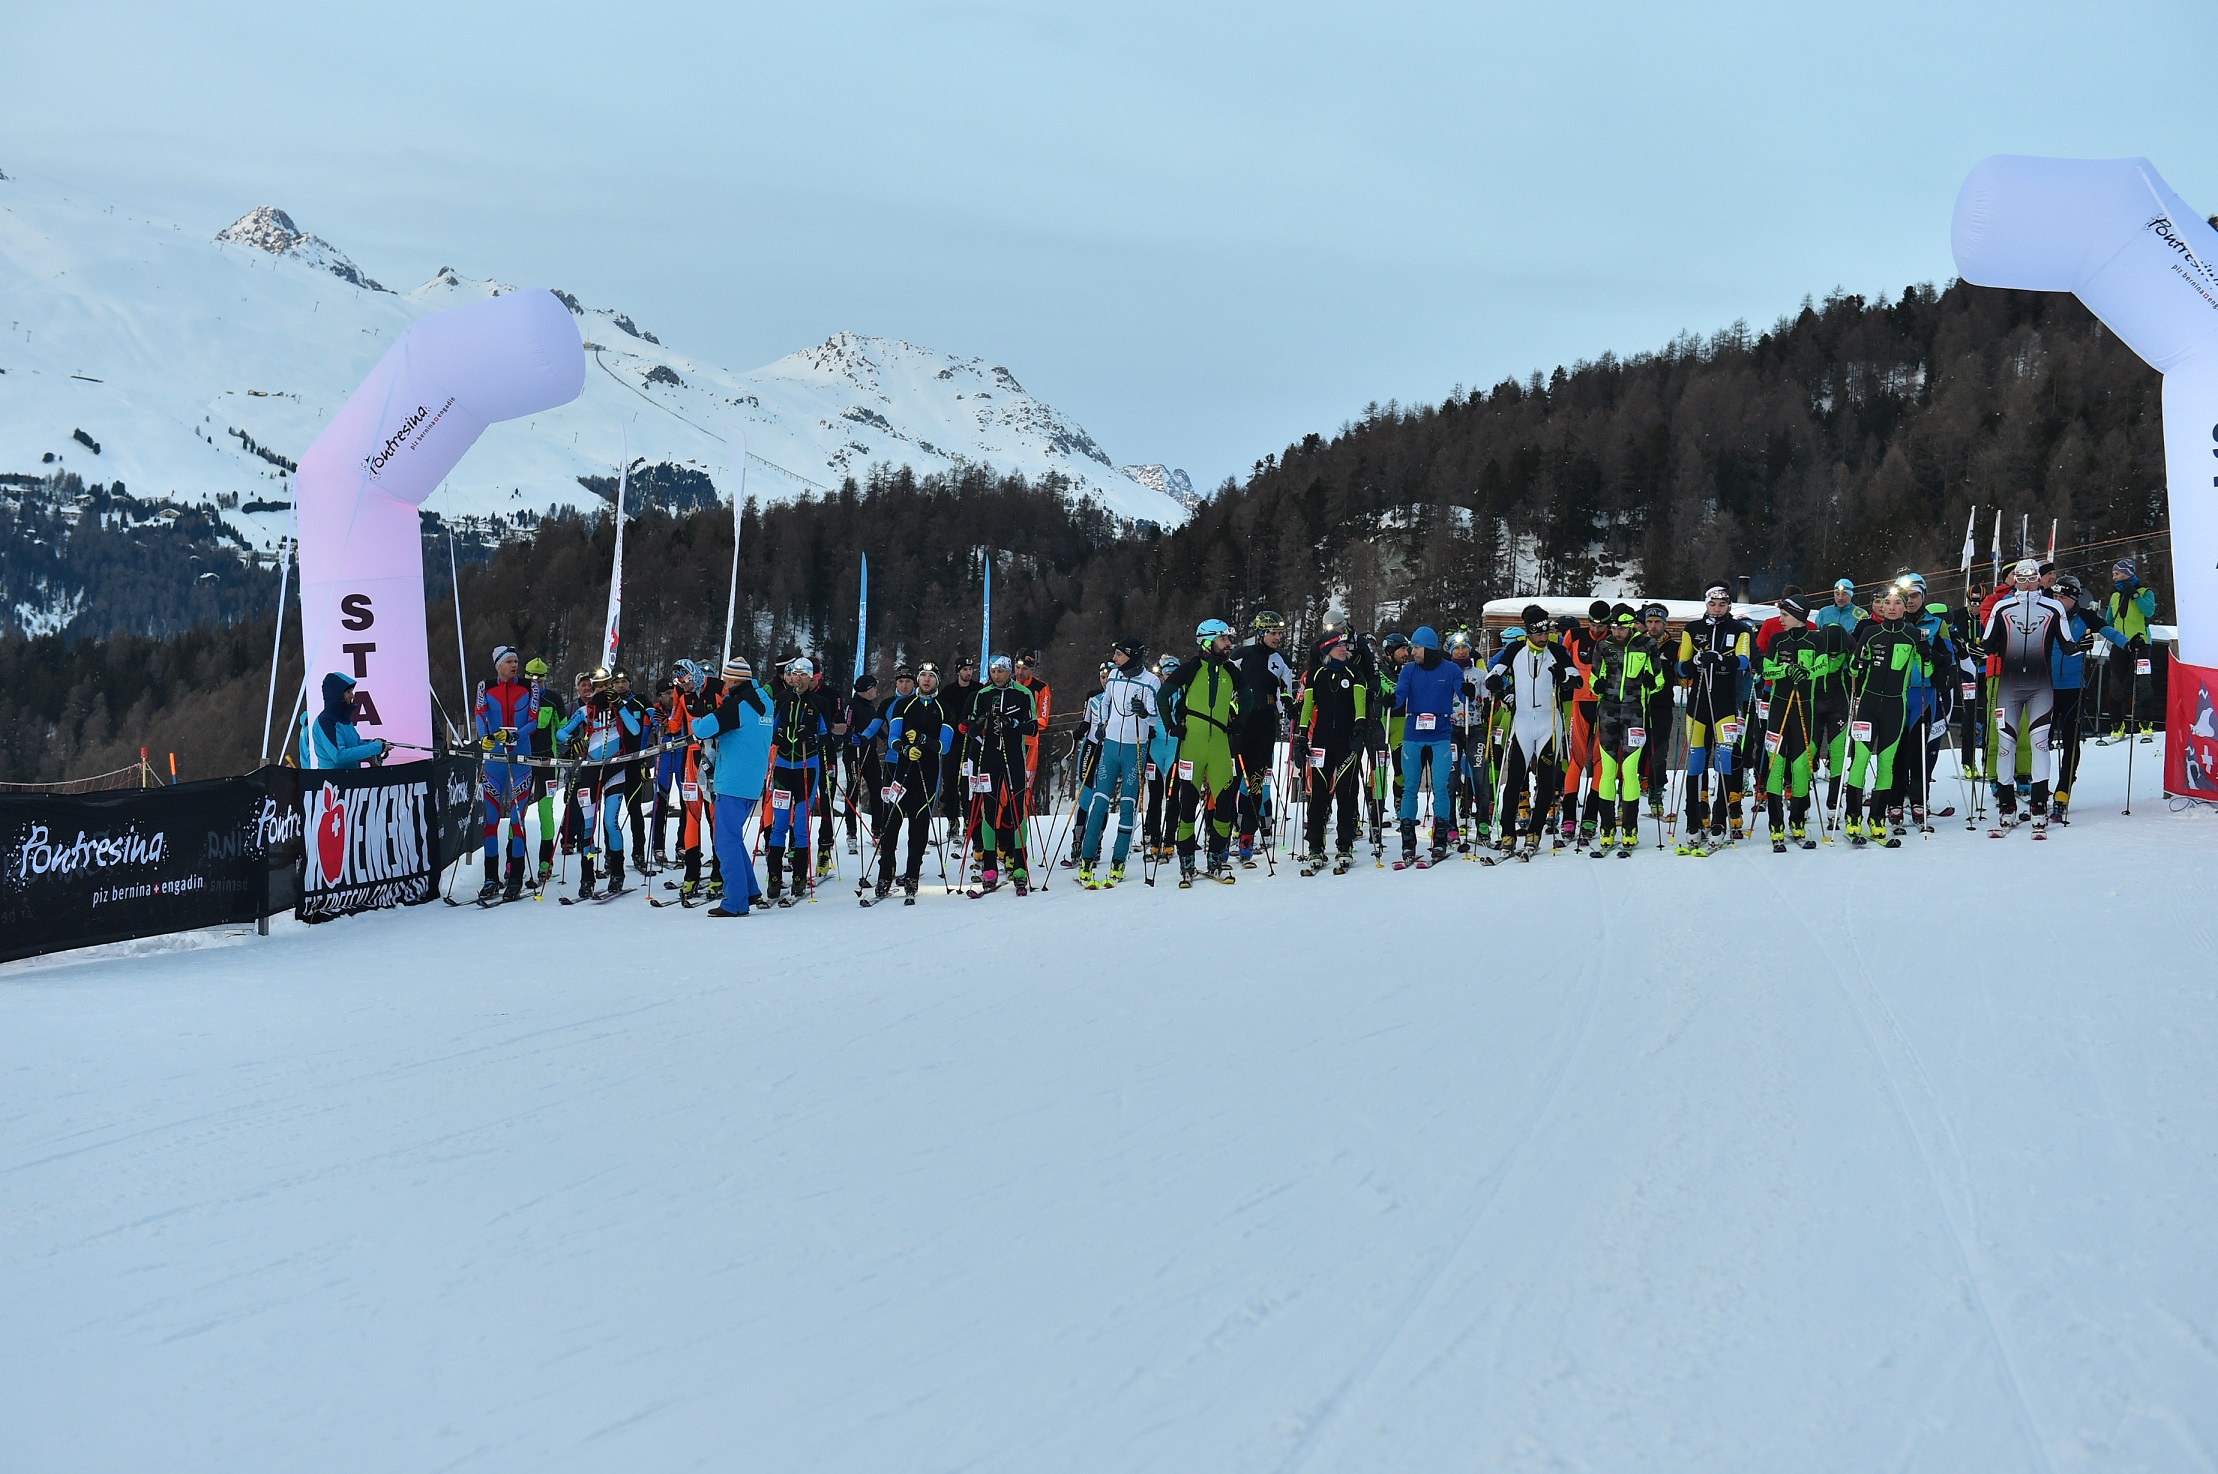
379 837
2191 733
81 869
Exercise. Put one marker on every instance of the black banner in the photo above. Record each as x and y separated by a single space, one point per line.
376 837
82 869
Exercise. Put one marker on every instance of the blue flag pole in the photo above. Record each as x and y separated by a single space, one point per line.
862 617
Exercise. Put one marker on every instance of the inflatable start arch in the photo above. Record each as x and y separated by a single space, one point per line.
2112 233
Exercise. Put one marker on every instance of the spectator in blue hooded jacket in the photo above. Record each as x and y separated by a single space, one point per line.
740 727
1425 693
328 740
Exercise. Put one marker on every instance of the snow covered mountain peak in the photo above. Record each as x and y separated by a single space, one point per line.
1171 482
267 228
202 370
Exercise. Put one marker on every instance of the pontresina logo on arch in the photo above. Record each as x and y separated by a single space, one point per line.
369 843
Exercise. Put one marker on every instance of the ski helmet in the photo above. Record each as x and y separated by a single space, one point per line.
1270 621
1000 662
1210 629
602 678
1459 639
1391 642
800 665
1167 663
535 667
2068 584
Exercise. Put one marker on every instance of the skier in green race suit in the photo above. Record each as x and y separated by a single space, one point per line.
1208 721
1887 650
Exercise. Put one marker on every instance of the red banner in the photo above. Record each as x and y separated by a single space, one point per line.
2191 732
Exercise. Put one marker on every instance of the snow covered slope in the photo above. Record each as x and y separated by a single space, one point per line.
1824 1162
202 368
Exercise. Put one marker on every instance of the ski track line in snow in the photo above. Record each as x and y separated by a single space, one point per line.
1849 995
1360 1375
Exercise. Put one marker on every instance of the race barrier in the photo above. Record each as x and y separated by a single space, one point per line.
84 869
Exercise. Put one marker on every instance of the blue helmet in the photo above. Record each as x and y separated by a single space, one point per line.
1209 629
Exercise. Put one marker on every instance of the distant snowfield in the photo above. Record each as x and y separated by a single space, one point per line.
1818 1162
197 368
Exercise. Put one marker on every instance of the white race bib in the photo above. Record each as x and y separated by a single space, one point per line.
553 788
1636 737
1969 691
1186 770
892 792
2141 667
1763 711
692 792
1316 757
1730 729
966 767
982 783
1426 721
780 799
1861 731
1151 772
1771 741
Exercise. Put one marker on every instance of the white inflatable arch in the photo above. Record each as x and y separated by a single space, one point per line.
2112 233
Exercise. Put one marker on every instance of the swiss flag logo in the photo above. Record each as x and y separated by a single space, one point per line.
331 833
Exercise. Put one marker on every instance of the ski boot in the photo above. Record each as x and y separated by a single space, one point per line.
1627 841
2060 809
1086 877
1022 879
1247 852
2040 824
1740 830
490 892
1856 834
1602 846
1313 862
513 889
546 873
989 880
1894 822
1436 853
851 846
712 889
908 890
616 872
1689 843
1220 867
1116 877
1918 819
1778 841
883 889
1800 835
1185 872
585 879
1343 862
824 862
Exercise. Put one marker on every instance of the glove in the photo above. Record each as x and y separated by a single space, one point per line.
485 743
1297 752
508 736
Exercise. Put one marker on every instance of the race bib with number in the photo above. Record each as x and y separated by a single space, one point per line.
1730 729
553 788
1426 721
892 793
966 767
2142 667
982 783
780 799
1151 772
1636 737
692 792
1763 711
1861 731
1316 757
1186 770
1970 691
1771 741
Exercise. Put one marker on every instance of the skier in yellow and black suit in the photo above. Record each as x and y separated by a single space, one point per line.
1713 654
1802 657
1625 675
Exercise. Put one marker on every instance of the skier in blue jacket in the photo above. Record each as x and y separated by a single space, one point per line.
740 728
328 740
1425 693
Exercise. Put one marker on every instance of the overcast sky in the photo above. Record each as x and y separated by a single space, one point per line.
1201 229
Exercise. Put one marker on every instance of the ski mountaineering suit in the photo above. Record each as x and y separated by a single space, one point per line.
1796 663
1624 675
1531 678
1265 682
2023 634
507 717
1207 719
1128 720
1880 665
1001 718
611 730
918 739
1713 656
1333 711
801 732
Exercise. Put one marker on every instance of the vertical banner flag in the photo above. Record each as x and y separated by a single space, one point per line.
1998 547
985 628
359 487
1971 549
616 575
739 500
862 617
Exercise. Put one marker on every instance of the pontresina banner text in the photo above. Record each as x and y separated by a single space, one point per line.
85 869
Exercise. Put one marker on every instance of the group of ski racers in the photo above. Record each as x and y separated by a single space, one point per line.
1568 735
